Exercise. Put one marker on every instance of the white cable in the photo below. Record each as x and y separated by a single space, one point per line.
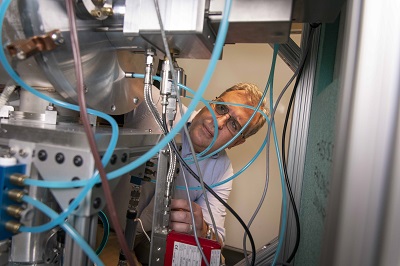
196 238
141 225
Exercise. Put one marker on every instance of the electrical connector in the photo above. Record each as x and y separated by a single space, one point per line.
10 200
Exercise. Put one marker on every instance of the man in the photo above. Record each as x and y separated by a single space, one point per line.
230 119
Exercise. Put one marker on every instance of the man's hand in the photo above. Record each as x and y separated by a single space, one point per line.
181 220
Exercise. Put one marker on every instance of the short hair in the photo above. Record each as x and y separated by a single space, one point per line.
254 96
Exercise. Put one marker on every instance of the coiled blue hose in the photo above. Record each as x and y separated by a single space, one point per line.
144 158
67 228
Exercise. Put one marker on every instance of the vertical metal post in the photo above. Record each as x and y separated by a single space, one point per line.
364 184
299 136
87 227
160 221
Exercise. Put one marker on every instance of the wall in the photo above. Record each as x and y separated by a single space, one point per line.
248 63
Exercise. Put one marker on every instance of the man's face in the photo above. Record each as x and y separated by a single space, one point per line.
202 130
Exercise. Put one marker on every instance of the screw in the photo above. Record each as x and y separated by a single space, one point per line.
60 158
135 100
75 178
71 200
42 155
124 157
78 161
113 159
96 203
23 153
113 108
57 38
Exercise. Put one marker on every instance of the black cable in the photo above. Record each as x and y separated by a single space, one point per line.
209 189
296 214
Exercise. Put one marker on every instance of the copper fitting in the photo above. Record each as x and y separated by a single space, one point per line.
16 195
18 179
23 49
13 226
14 211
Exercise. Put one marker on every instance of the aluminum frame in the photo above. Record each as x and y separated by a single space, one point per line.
365 183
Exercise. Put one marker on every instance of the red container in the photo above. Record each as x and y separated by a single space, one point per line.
182 250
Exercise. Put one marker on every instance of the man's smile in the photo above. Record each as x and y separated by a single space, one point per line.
207 130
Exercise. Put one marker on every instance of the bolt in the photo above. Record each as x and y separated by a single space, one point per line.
70 201
60 158
124 157
113 159
96 203
23 153
57 38
42 155
78 161
113 108
50 108
12 151
75 178
135 100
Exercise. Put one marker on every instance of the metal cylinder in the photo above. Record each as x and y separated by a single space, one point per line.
13 226
14 211
18 179
16 194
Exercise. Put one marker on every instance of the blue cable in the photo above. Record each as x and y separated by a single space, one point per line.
272 71
282 176
198 96
199 156
115 131
202 158
148 155
243 168
67 228
207 104
113 141
270 79
106 232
